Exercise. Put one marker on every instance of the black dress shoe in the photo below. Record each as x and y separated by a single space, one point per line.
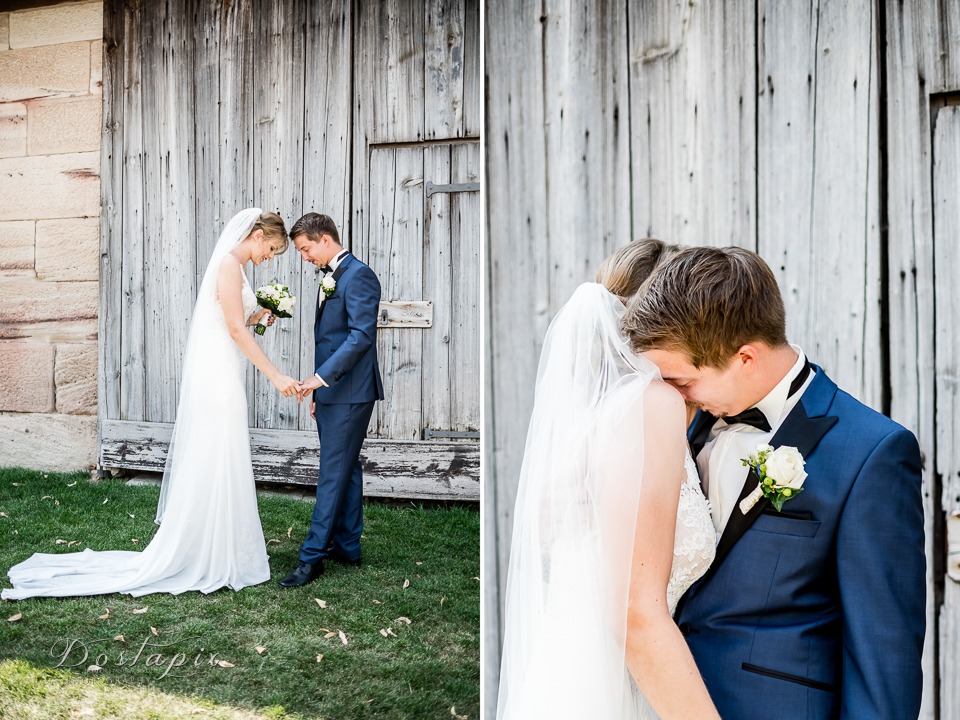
302 574
343 560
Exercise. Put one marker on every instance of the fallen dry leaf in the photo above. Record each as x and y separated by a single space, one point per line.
61 542
391 632
442 599
377 602
56 502
154 631
72 484
81 713
475 578
406 584
14 618
419 563
418 575
105 615
368 701
289 530
383 632
2 514
363 537
132 515
321 603
270 541
120 638
236 611
403 620
319 658
134 541
141 611
16 484
94 668
47 497
329 635
105 501
224 663
73 542
259 649
343 638
324 630
453 711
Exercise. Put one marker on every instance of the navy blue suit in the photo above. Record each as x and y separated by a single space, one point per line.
345 356
818 612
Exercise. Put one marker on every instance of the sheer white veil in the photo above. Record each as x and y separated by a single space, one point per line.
575 519
197 407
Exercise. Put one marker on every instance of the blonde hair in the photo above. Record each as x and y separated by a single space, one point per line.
623 272
273 229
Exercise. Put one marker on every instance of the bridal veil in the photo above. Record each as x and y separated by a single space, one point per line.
575 519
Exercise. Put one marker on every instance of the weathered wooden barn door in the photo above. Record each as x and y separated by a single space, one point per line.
295 106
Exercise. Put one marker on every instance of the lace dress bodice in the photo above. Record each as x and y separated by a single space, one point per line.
695 543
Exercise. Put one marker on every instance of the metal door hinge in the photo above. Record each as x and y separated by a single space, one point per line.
452 188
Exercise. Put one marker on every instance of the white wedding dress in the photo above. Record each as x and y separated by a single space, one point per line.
210 534
568 584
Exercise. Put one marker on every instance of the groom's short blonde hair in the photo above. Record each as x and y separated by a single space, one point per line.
707 303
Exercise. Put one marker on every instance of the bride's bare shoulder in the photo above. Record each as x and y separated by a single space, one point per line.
664 402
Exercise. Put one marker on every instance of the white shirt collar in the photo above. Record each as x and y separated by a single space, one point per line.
774 405
335 263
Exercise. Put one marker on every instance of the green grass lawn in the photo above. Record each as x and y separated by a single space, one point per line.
422 670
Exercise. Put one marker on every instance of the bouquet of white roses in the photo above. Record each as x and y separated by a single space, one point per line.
276 298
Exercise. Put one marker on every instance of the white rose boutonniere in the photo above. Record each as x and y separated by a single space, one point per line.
328 285
781 475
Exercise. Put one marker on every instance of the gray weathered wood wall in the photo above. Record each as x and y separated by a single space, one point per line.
822 135
341 107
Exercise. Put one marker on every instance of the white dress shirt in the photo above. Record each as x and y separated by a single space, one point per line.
721 460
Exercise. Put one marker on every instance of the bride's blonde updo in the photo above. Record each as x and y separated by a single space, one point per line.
273 229
623 272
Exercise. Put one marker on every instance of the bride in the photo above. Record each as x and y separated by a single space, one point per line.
610 525
210 534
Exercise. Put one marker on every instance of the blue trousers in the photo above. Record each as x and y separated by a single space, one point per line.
338 515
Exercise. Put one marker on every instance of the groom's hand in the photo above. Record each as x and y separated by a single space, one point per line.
309 385
313 410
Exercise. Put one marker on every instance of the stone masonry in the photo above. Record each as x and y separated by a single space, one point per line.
50 118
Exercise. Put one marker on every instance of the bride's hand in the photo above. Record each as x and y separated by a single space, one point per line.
286 385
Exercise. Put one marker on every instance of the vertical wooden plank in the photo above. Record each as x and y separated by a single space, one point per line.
169 211
278 181
390 67
693 122
395 250
326 152
132 383
111 213
472 71
236 137
818 165
444 45
517 292
946 209
438 287
206 20
587 139
465 220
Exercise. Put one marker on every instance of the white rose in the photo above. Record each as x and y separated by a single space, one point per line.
785 467
328 283
285 305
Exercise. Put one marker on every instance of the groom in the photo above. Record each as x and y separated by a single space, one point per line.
345 386
818 611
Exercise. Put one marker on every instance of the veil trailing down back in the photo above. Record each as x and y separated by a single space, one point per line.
575 519
210 535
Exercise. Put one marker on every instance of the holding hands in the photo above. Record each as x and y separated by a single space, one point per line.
307 386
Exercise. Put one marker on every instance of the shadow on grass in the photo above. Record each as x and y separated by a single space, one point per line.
271 636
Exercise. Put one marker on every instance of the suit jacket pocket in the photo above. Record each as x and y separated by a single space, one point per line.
786 526
776 674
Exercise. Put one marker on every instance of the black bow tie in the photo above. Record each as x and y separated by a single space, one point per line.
326 269
755 417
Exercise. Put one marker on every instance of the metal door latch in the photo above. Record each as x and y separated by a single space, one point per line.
452 188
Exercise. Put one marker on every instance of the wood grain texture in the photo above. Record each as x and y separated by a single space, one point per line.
818 184
472 70
692 122
278 107
403 469
407 314
444 45
946 209
132 387
465 240
111 213
206 20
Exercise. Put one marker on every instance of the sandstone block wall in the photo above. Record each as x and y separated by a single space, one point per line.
50 125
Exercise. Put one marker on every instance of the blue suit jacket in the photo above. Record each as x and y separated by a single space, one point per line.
819 611
345 333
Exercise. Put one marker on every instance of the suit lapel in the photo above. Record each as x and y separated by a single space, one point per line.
802 429
336 277
697 436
